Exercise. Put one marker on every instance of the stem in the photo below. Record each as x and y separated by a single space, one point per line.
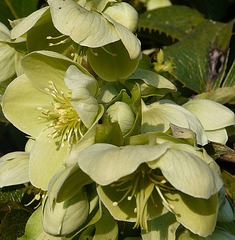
8 3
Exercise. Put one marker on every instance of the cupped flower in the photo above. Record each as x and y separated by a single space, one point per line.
159 115
213 116
55 106
109 42
140 182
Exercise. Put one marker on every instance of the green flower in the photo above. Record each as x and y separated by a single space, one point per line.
54 106
214 118
140 182
159 115
110 43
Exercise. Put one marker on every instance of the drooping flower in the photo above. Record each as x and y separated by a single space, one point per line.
54 106
140 182
159 115
110 41
213 116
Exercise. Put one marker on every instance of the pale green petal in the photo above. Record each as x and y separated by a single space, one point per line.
4 32
152 78
124 14
163 227
211 114
188 173
130 41
121 112
14 169
158 116
219 135
115 58
87 140
7 61
125 210
196 214
18 67
106 163
87 28
44 66
27 23
20 103
46 159
84 90
65 217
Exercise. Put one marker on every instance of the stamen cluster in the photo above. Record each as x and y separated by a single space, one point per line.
62 117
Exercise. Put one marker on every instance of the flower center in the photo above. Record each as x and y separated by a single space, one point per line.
62 118
141 185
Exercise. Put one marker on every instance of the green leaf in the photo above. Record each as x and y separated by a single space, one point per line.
152 78
229 182
14 217
163 227
109 133
221 95
196 56
12 193
229 81
174 21
11 9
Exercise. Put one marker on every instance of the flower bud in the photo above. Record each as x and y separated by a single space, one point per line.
121 112
61 219
124 14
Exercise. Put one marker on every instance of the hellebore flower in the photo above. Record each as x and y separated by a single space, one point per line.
108 41
55 107
158 116
137 183
213 116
